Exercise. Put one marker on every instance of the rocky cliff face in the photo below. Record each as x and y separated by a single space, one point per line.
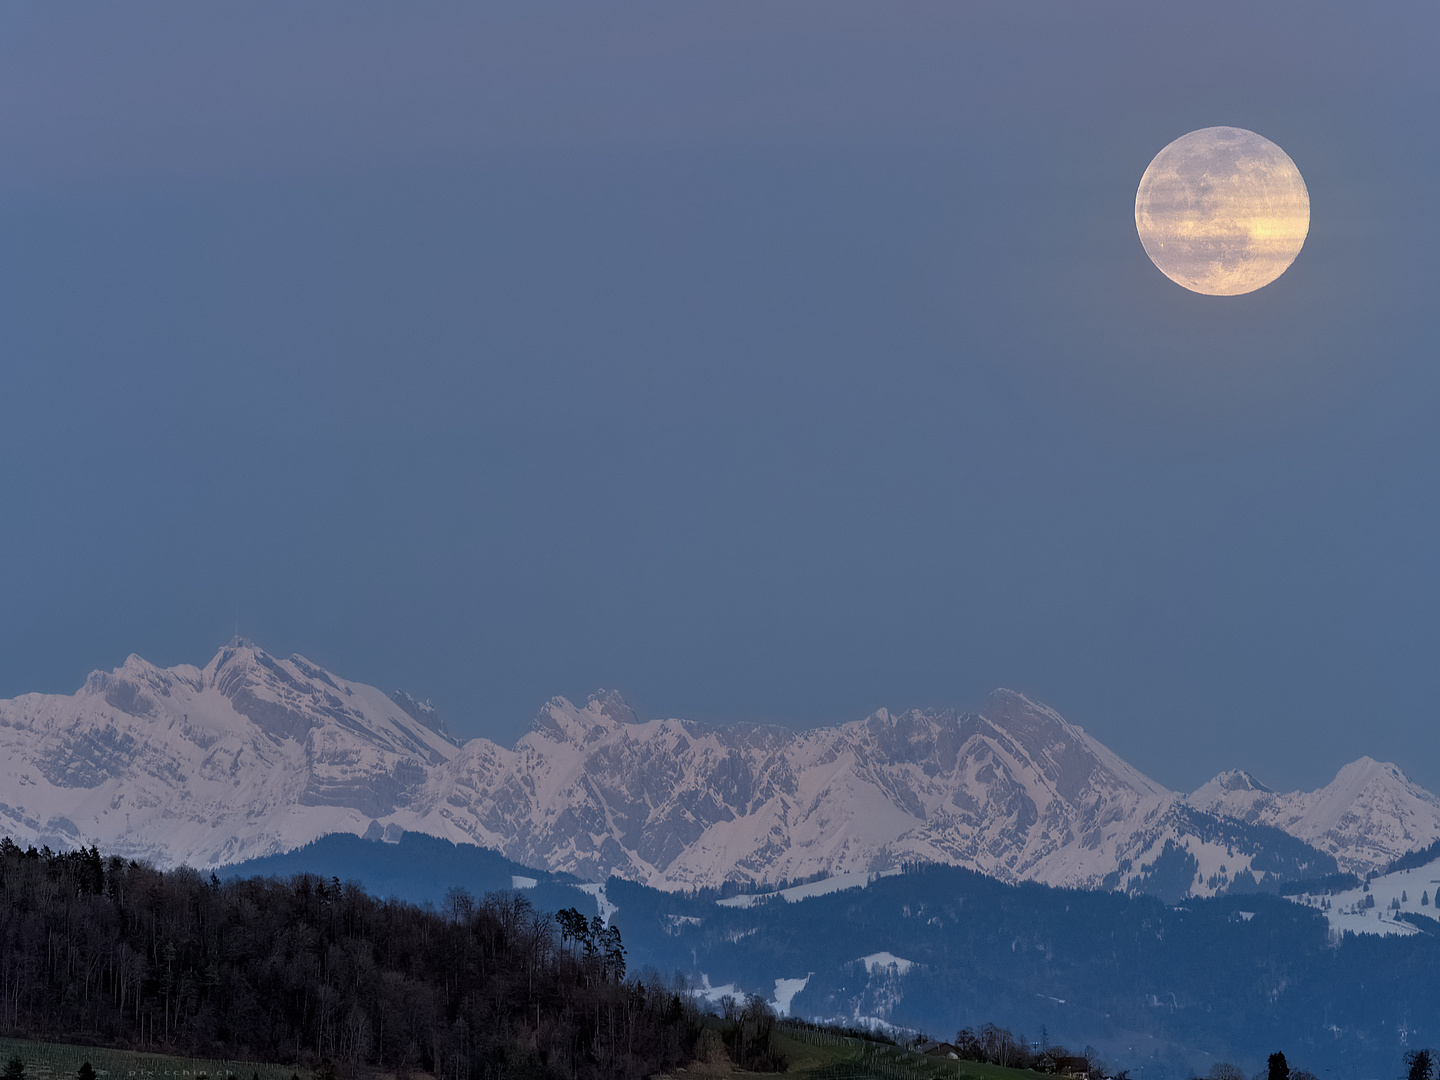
254 755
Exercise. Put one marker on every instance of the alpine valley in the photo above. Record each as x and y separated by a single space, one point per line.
253 755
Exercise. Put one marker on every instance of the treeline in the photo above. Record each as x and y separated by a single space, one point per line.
1415 859
996 1045
322 974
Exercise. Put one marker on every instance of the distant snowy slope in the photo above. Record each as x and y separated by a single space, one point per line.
255 755
1012 790
1391 904
668 802
248 756
1369 815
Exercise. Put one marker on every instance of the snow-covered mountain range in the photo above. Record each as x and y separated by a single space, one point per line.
254 755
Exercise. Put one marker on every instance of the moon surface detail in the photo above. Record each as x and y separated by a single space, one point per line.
1222 211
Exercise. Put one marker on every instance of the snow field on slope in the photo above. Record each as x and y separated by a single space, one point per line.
796 893
1348 913
884 961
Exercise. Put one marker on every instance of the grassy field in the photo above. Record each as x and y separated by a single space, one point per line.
60 1061
813 1055
821 1055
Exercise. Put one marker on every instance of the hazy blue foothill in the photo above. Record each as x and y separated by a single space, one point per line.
1175 988
417 868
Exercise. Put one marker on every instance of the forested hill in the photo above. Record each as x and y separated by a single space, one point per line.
306 971
1174 988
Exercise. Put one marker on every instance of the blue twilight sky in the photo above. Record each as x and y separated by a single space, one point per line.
763 360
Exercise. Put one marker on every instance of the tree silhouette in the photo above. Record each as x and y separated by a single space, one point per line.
1419 1065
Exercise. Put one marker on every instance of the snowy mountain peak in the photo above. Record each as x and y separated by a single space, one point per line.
136 686
1364 771
561 721
1069 756
1002 698
425 712
611 704
1229 781
1340 807
1370 814
249 755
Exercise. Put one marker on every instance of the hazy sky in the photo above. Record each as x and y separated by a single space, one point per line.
763 360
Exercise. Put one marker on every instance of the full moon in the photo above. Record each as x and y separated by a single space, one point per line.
1222 211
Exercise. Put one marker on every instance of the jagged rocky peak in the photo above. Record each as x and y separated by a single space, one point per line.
137 687
1236 794
610 704
231 663
294 698
1239 780
1033 725
1064 752
242 666
917 735
424 712
561 720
